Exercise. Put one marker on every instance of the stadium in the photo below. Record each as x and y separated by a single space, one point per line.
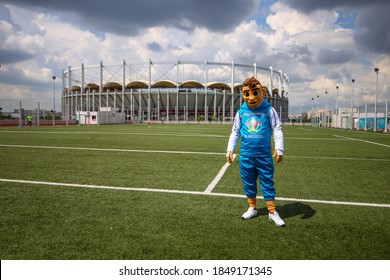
165 92
165 191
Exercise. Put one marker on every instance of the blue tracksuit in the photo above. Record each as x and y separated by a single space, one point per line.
256 126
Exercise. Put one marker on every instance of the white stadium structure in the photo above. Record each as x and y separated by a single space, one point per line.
165 91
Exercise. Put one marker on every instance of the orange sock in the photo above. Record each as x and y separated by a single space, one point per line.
252 202
271 206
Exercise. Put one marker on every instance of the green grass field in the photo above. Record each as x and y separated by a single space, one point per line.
333 190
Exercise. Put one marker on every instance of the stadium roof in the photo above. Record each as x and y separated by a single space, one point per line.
112 86
164 84
191 84
134 76
159 84
92 86
138 84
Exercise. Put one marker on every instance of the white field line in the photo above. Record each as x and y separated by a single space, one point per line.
110 150
191 192
314 138
338 158
220 174
179 134
174 152
365 141
306 129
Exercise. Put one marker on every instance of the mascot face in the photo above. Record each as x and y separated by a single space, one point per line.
252 92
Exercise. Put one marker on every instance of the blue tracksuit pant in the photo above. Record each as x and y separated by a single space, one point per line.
252 168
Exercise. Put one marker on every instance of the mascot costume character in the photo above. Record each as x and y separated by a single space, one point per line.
255 121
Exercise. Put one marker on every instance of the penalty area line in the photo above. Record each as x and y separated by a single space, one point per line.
192 193
220 174
361 140
109 150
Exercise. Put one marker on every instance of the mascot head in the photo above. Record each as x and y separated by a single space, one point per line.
252 92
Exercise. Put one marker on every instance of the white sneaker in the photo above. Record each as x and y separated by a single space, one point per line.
249 214
276 219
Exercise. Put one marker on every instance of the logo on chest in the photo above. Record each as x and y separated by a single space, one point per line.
253 124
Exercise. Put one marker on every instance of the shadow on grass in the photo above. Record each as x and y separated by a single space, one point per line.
291 210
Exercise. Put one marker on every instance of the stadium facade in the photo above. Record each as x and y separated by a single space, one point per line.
166 91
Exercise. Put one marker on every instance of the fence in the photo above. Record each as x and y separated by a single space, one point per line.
363 117
15 113
372 117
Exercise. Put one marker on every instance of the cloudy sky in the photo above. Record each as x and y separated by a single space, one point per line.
319 44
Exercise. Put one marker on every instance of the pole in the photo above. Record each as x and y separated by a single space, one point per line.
123 115
39 114
376 98
317 115
20 113
337 95
353 87
149 88
232 89
312 113
326 93
54 99
326 120
386 112
386 116
115 94
106 107
365 118
205 90
358 117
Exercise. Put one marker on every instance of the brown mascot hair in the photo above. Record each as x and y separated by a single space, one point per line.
251 83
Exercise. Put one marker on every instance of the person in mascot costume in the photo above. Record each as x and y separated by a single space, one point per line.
255 122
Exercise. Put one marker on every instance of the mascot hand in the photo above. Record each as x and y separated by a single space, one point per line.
229 157
278 158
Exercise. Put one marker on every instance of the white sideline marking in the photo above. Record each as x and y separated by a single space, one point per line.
213 183
357 139
339 158
305 129
172 152
314 139
111 150
192 192
179 134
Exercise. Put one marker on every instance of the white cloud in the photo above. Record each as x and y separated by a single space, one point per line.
293 22
315 52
